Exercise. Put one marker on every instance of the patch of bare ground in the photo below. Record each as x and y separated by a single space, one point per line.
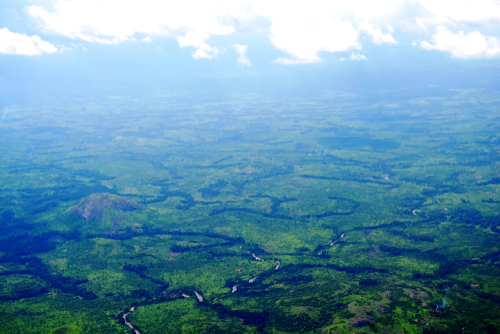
308 310
377 306
416 294
385 294
303 308
361 321
375 251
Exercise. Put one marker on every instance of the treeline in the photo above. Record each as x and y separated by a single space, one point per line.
89 174
141 271
490 200
206 248
317 177
495 180
19 238
412 202
213 166
258 319
277 318
185 204
229 157
37 269
255 212
413 237
474 217
44 199
275 215
213 189
150 230
16 246
379 226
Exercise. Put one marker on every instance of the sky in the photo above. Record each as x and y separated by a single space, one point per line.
60 45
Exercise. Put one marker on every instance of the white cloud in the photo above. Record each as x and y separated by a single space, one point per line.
117 21
357 56
64 49
303 31
377 36
304 41
201 54
472 45
197 40
469 11
21 44
242 52
146 39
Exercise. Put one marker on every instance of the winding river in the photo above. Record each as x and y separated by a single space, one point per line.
128 323
333 242
233 290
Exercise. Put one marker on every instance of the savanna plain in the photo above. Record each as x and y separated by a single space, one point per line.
180 213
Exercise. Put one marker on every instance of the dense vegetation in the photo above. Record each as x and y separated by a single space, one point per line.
346 215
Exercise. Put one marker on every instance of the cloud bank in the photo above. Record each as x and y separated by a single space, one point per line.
303 31
304 41
464 46
21 44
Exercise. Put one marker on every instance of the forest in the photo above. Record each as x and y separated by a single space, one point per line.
347 215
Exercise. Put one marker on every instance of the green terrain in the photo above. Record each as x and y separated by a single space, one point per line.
246 214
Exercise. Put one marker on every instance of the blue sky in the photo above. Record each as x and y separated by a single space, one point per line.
58 45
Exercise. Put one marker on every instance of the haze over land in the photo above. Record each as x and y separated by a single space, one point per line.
241 167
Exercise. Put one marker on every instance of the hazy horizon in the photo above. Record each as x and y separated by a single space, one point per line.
249 167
